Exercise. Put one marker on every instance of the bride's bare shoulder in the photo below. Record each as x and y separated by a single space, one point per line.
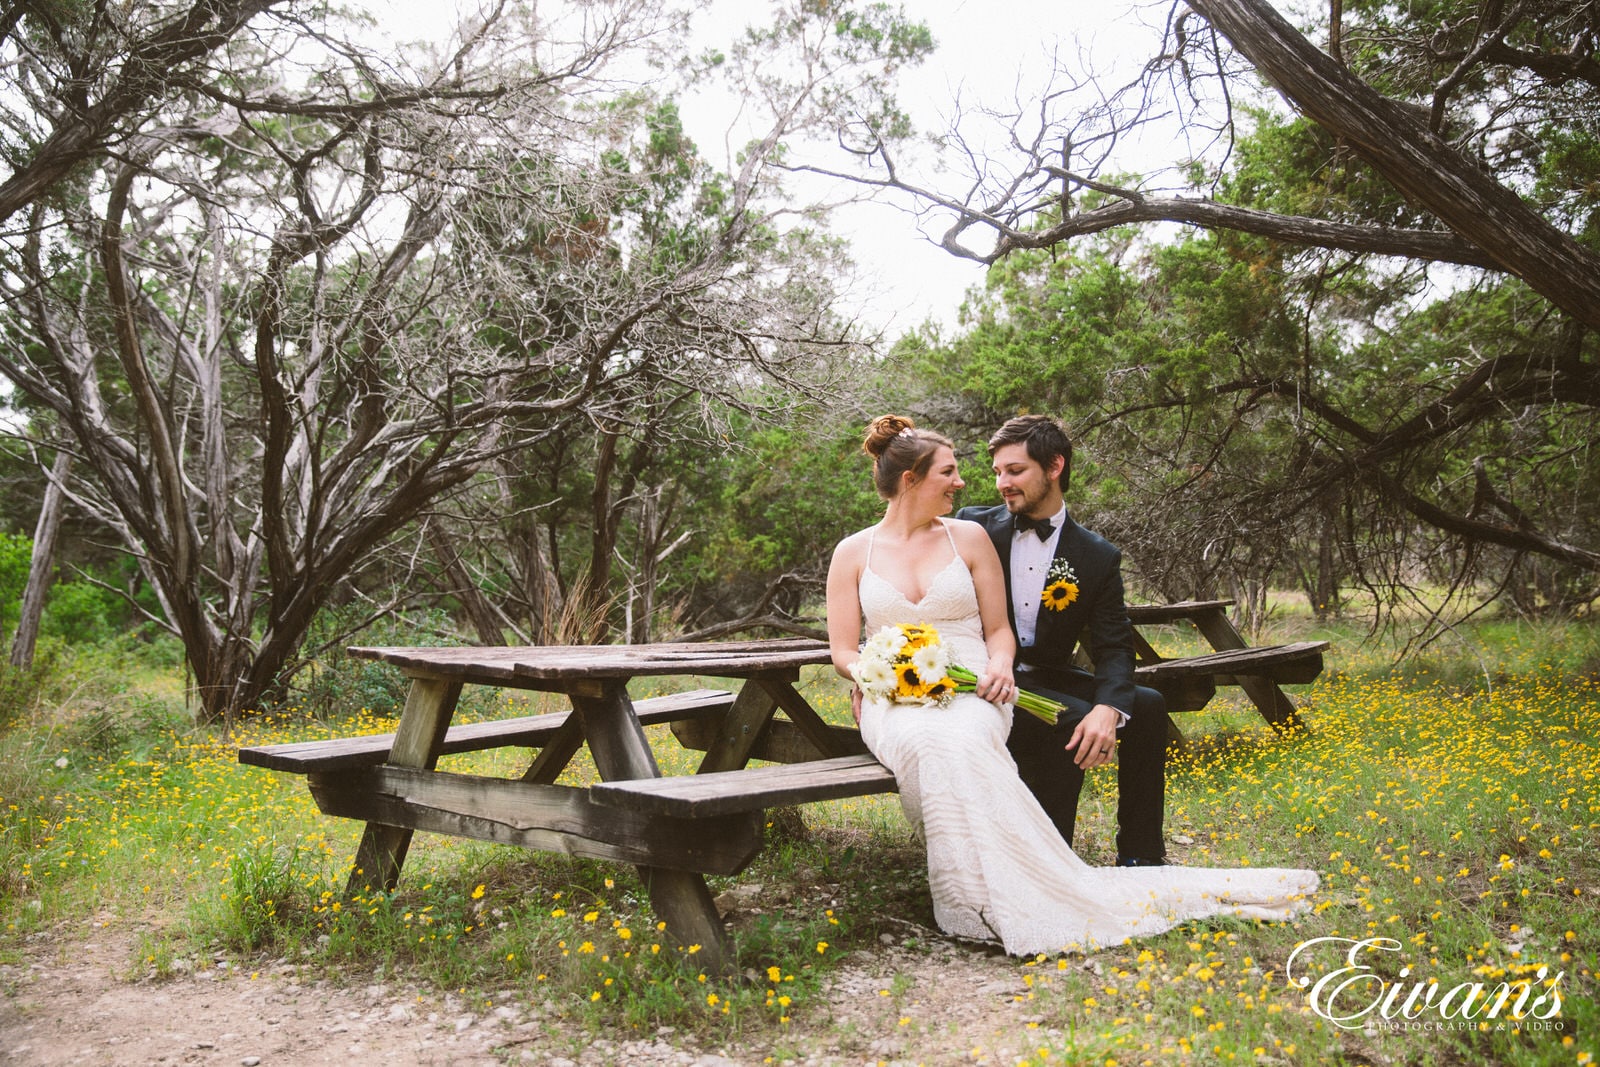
853 549
966 532
972 540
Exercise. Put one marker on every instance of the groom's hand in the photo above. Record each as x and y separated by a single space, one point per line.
1095 738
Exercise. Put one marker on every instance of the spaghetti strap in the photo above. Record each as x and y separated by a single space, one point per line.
872 533
946 524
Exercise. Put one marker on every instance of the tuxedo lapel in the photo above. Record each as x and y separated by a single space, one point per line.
1002 527
1048 631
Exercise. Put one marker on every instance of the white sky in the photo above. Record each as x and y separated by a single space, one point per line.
988 51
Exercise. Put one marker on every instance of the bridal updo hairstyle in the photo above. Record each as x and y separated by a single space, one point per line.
896 446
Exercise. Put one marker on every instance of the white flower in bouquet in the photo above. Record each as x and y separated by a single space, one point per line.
885 644
873 674
931 662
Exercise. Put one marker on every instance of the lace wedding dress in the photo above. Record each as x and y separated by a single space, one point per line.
997 868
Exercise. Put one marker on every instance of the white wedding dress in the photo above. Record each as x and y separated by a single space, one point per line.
997 868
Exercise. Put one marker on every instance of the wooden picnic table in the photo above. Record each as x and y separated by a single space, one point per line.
1189 682
676 830
392 783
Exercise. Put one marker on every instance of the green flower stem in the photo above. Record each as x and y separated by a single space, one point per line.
1039 707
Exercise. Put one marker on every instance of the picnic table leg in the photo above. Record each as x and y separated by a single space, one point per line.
1274 705
556 753
417 740
803 716
620 751
741 727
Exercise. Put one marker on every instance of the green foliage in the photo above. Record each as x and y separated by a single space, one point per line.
21 688
1290 165
16 554
336 686
84 612
1250 414
776 501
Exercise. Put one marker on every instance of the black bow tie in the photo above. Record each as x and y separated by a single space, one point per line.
1042 527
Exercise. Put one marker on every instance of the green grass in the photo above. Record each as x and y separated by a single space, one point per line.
1451 805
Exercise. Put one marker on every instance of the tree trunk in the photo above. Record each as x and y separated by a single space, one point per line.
1425 168
543 592
1326 601
479 611
644 583
590 601
44 554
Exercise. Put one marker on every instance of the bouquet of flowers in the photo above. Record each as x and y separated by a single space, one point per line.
906 664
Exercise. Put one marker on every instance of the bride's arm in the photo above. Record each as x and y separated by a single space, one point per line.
997 682
844 604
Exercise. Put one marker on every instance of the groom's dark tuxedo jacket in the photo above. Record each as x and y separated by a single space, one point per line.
1098 617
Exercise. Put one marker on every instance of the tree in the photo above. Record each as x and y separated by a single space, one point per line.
286 295
571 541
1423 413
41 564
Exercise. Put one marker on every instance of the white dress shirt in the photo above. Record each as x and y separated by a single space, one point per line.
1030 564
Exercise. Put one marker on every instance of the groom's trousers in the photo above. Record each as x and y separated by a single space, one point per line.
1050 772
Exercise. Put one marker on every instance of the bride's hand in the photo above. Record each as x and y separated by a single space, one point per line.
997 685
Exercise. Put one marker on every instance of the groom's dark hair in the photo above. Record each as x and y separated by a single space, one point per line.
1042 436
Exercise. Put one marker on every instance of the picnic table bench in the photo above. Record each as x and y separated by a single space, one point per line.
677 829
1189 682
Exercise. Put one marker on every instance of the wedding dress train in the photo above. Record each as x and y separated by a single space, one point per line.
997 868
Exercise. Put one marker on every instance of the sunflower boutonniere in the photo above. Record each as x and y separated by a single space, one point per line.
1060 585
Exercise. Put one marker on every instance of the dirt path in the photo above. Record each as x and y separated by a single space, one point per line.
69 1001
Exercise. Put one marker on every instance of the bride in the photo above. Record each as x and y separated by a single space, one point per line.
997 868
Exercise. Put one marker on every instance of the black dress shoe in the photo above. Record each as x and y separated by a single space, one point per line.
1139 861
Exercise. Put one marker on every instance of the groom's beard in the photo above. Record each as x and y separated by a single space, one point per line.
1027 498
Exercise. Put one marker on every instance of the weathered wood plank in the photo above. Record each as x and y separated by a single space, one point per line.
616 740
560 667
802 715
780 742
554 818
1156 614
1143 651
740 730
749 789
557 752
531 731
777 665
679 896
1183 692
382 851
1260 686
1294 663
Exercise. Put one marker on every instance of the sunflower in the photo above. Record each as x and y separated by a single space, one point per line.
1057 595
910 682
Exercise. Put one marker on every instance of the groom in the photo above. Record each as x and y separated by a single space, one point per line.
1064 584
